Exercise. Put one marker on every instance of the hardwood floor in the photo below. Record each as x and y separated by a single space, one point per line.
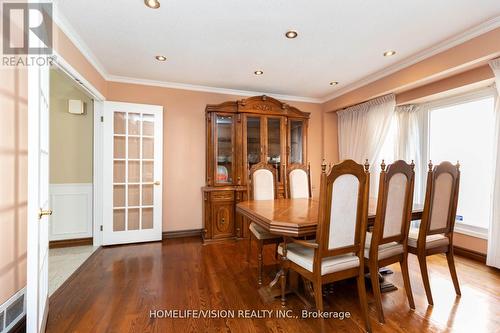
118 287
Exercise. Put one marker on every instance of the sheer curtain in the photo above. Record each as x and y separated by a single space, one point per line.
493 256
412 136
363 129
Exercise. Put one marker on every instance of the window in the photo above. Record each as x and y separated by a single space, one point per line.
465 131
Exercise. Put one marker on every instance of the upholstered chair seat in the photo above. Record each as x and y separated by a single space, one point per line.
384 250
259 232
430 241
304 256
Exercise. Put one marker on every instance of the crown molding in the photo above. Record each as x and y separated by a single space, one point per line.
216 90
446 44
66 27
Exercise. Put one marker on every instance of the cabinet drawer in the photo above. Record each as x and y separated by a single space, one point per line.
222 196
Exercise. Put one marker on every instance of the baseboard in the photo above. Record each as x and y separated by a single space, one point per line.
82 267
70 242
471 254
181 233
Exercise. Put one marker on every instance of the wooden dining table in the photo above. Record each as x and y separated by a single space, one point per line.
299 218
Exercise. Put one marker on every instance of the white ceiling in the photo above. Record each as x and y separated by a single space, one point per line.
220 43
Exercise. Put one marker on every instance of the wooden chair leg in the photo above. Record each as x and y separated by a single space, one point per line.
453 272
377 295
363 302
406 279
425 277
260 248
276 251
318 295
283 287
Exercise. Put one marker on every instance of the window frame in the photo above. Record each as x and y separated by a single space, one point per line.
463 98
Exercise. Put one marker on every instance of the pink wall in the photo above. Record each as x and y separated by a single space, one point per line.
13 179
70 53
184 145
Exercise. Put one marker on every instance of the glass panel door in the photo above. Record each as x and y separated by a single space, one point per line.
274 144
254 150
133 141
224 159
296 141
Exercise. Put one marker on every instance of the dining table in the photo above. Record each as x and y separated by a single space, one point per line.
299 218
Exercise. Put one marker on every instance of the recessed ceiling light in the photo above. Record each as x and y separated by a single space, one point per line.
334 83
291 34
389 53
155 4
161 58
258 72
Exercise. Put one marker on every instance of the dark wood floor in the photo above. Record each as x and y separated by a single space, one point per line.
118 286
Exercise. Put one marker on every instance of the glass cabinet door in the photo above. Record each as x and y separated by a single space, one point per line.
274 144
296 137
254 150
224 149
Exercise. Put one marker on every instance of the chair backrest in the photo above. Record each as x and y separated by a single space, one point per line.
262 184
441 198
298 181
343 210
394 205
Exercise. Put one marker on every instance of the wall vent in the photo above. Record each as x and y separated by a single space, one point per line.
12 311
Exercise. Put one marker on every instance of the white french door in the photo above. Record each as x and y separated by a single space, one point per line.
132 173
38 199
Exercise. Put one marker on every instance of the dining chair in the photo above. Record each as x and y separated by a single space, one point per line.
298 181
435 234
338 252
261 186
387 244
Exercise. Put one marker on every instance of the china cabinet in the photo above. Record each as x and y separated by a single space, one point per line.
240 134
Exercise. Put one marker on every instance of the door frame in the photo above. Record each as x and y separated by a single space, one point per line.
98 100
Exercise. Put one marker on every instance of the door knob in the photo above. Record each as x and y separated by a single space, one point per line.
157 182
44 212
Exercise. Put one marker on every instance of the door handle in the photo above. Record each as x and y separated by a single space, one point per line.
44 212
157 182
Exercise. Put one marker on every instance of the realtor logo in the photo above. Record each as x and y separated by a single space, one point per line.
27 28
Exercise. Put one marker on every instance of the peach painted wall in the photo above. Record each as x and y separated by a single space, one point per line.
184 145
330 137
65 47
467 78
13 179
471 243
